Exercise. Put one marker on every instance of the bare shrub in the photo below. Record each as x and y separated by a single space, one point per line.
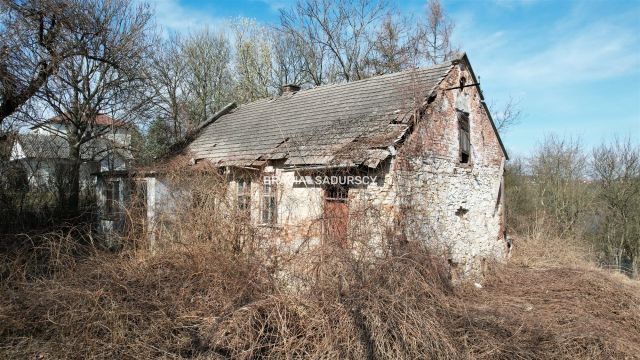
27 256
202 210
213 287
203 301
119 306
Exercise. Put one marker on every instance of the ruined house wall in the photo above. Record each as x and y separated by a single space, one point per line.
374 210
456 207
301 208
423 192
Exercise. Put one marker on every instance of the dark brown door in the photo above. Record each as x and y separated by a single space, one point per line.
336 216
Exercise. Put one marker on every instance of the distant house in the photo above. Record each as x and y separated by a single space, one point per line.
108 128
415 153
44 152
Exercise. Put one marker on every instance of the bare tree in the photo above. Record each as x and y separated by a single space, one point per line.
616 172
208 57
252 60
507 116
114 82
35 37
168 75
335 37
388 48
435 34
288 67
396 46
559 169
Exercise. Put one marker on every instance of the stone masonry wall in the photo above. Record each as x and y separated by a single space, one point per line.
456 207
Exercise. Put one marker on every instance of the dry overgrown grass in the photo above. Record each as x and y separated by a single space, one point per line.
201 303
202 299
114 306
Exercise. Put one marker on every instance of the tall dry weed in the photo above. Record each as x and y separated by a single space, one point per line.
213 288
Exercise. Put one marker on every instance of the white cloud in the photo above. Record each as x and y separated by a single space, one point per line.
586 52
173 16
593 53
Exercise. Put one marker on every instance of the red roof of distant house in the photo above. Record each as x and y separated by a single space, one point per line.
101 119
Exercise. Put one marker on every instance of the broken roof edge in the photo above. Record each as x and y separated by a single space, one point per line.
372 163
193 134
463 57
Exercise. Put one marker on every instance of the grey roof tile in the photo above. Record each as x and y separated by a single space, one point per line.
332 124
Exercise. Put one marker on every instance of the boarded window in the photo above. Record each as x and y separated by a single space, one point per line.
244 195
112 198
465 138
269 204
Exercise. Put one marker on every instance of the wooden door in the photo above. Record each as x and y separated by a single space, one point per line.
336 216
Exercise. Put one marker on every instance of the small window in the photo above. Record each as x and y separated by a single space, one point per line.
269 204
337 193
465 138
244 195
112 198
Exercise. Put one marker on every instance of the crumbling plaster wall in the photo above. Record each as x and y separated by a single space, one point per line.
455 207
301 207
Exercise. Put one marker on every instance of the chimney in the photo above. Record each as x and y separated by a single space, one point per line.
290 88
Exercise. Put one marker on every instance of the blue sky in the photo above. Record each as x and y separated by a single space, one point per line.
573 66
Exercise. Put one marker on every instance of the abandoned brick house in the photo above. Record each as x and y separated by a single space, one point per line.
420 155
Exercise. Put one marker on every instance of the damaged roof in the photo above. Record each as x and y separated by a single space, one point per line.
344 124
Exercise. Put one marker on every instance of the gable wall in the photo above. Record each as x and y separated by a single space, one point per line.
437 133
455 207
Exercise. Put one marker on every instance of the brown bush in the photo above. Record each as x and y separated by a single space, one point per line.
206 303
113 306
28 256
216 290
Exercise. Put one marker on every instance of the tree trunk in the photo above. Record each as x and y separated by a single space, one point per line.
74 179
